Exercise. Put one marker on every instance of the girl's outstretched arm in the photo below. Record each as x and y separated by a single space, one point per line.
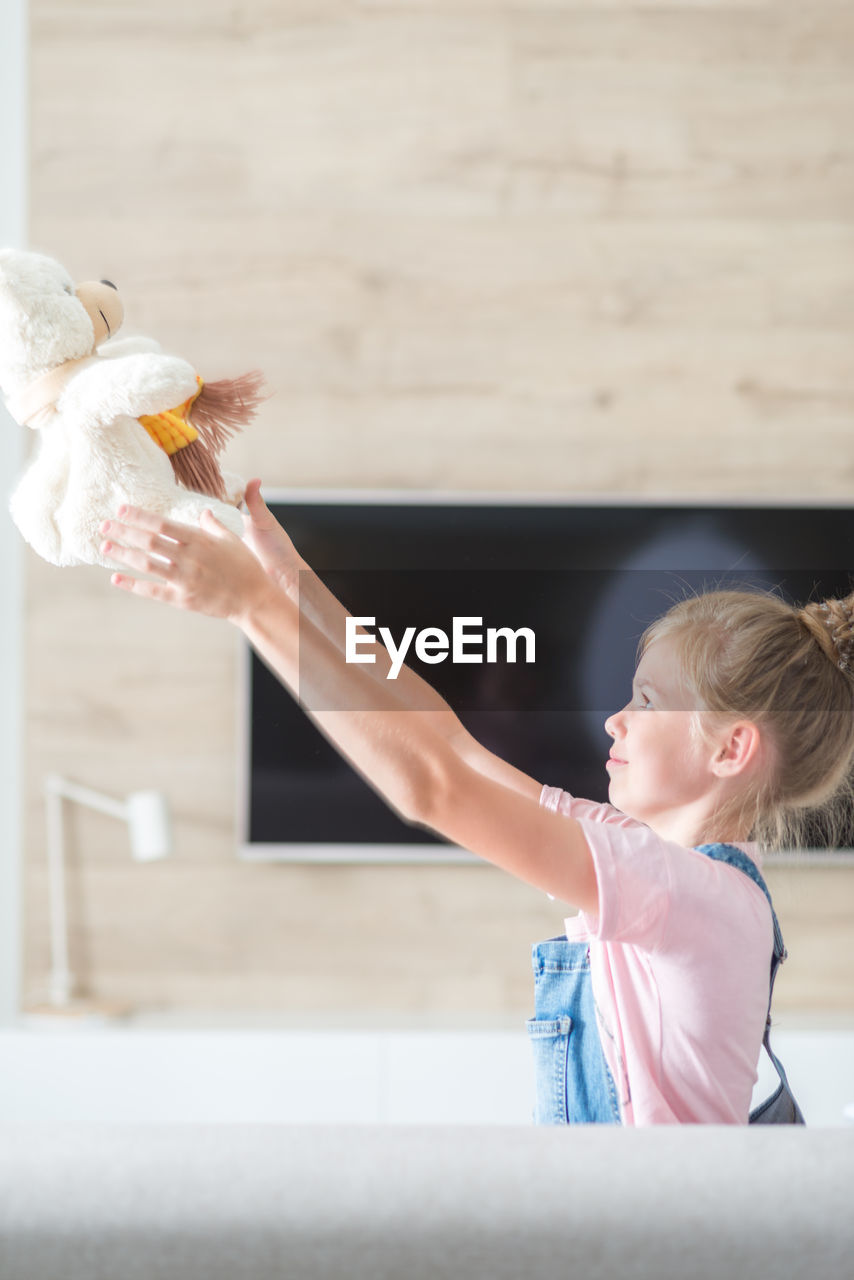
274 549
404 754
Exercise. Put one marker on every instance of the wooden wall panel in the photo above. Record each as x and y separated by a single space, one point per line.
468 243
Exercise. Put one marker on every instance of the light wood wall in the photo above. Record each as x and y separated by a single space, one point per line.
585 247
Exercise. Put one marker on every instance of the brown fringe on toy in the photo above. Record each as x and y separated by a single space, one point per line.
220 410
224 407
195 467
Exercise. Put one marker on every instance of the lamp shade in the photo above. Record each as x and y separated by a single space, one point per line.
148 821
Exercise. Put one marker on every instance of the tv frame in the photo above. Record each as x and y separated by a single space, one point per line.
448 854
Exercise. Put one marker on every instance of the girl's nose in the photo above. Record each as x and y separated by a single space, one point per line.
615 724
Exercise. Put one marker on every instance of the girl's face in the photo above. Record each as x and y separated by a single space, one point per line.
660 769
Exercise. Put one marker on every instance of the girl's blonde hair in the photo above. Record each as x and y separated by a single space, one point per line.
790 671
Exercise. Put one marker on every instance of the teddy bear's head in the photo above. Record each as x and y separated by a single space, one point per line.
47 320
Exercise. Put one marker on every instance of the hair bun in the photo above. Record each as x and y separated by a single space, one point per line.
831 624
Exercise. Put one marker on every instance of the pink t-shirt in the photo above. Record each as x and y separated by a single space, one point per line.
680 958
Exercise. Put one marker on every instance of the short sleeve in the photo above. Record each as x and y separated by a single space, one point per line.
633 876
558 801
633 870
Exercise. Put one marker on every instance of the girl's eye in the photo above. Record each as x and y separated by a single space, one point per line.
644 703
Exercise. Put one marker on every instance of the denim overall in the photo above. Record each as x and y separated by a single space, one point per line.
573 1082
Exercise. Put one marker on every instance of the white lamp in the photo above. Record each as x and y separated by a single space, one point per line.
147 816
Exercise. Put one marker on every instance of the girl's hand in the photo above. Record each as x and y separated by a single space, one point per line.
206 569
268 541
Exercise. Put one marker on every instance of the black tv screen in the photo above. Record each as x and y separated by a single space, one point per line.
585 578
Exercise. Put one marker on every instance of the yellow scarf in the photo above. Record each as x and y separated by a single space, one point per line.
172 429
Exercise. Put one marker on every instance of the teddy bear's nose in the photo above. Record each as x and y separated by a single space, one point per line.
110 283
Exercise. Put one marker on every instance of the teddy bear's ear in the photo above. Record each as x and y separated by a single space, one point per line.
42 324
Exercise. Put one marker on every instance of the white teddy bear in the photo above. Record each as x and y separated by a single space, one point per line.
117 423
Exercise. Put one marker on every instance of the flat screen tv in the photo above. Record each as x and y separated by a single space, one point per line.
583 577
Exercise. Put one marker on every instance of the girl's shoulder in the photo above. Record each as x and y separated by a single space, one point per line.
654 892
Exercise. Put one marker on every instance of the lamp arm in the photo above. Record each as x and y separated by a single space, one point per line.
55 785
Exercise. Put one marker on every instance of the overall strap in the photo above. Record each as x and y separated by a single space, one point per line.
783 1099
734 857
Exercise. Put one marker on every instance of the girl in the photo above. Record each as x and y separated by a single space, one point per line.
651 1009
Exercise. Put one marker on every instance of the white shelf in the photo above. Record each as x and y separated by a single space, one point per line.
129 1075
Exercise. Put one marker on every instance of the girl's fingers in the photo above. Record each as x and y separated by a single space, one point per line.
150 522
197 568
255 504
129 535
208 521
140 587
146 560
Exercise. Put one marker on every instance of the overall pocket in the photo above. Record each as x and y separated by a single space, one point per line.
550 1044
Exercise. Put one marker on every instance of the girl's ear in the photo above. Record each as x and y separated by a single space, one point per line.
737 749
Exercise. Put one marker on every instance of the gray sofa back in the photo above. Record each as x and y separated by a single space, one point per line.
400 1203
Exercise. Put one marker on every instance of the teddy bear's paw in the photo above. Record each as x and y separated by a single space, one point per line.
137 344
